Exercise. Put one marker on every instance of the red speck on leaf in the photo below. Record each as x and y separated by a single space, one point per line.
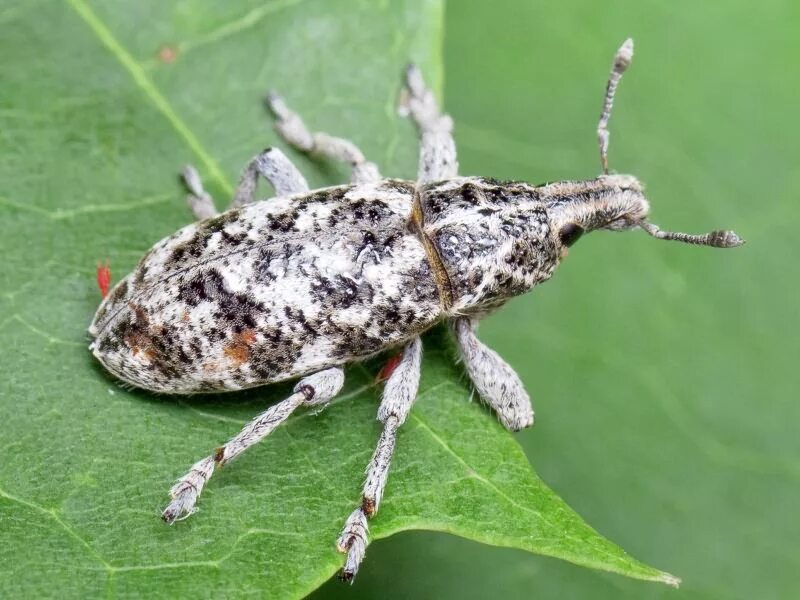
103 278
167 54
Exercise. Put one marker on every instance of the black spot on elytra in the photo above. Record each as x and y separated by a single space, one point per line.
195 246
398 185
283 222
211 385
108 343
342 292
299 323
231 308
263 263
502 182
275 355
357 343
333 195
140 336
184 357
215 224
214 334
471 194
119 292
233 240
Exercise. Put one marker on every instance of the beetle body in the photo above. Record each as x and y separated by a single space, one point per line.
287 286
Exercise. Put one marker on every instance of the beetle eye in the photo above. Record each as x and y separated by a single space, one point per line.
570 233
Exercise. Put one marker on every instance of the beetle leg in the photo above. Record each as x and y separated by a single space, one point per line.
437 152
497 383
273 166
314 390
292 129
199 201
398 397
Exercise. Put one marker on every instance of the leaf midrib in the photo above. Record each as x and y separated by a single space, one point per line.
141 79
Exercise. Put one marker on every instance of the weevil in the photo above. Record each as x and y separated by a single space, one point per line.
301 284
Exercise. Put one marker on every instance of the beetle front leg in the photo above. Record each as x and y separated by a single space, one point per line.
497 383
314 390
292 129
398 397
437 152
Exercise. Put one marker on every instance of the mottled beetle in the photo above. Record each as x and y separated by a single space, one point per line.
306 282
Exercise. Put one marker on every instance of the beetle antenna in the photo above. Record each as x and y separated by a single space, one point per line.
622 60
715 239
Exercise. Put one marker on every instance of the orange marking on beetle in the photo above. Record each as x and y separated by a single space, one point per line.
140 335
103 278
238 350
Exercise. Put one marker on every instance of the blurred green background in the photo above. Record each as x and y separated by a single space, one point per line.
664 376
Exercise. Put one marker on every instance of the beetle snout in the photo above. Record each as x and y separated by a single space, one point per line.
622 182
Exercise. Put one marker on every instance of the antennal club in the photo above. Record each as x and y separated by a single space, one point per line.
622 61
715 239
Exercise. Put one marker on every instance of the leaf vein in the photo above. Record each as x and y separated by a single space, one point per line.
470 470
488 483
50 338
62 214
54 516
139 76
249 20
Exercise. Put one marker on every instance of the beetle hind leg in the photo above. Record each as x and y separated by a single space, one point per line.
314 390
199 200
275 167
292 129
271 164
398 397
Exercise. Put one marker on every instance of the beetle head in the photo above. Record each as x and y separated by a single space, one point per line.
617 203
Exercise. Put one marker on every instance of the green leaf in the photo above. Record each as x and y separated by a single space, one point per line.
101 103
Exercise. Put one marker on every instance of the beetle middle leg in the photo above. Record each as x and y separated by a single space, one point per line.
497 383
313 390
292 129
398 397
437 152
